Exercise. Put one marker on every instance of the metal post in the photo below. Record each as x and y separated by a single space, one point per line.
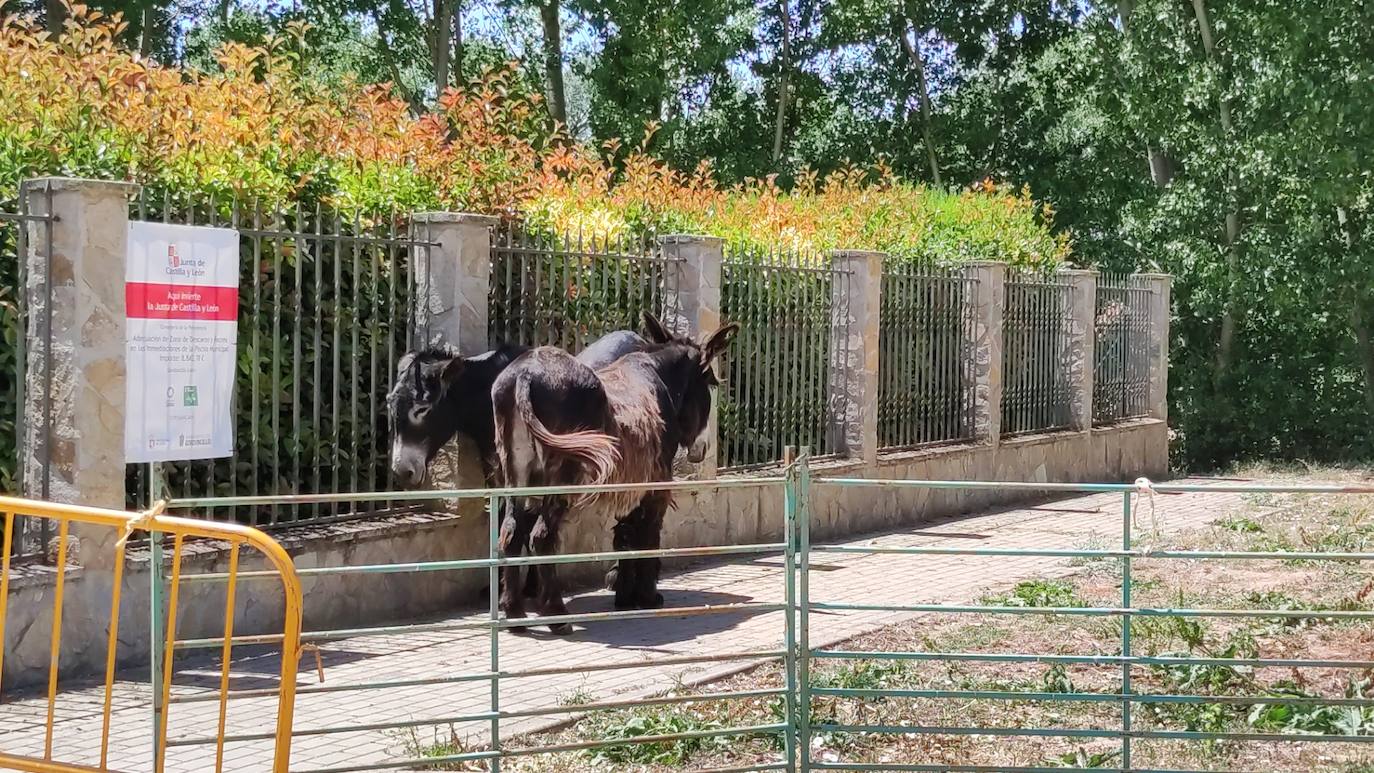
1126 632
494 611
157 649
803 498
789 553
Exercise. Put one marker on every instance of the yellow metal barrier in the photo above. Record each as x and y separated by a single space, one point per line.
125 525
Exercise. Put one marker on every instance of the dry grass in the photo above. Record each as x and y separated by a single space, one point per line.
1269 522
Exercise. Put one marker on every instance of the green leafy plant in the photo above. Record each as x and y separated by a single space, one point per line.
1037 593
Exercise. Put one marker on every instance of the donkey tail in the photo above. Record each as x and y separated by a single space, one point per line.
597 452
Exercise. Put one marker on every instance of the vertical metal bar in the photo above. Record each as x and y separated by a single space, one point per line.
21 333
789 553
494 632
155 611
236 391
276 373
317 450
375 383
803 493
303 247
56 639
355 320
255 361
6 550
45 484
226 654
1126 631
111 649
337 373
159 763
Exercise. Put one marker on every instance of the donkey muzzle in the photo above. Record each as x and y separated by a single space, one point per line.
697 451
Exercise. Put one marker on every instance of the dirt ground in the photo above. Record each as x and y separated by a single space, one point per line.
1300 522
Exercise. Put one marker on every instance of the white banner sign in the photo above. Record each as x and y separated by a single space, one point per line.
181 289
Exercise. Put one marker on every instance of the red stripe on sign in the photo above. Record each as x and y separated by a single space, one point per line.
149 300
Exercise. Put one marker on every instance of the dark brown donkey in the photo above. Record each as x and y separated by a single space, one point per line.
559 423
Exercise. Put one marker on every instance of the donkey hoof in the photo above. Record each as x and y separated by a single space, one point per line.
612 577
560 629
656 602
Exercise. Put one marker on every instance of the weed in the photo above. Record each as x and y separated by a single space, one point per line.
1037 593
1315 718
863 675
1082 758
651 722
1239 525
439 746
1056 679
578 697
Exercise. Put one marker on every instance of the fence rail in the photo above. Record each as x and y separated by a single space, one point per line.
1036 393
925 389
1122 323
779 370
569 291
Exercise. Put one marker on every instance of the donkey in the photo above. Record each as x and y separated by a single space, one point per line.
438 393
560 423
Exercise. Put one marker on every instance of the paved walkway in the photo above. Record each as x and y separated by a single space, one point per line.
866 578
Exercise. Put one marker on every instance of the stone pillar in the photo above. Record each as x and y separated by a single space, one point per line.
855 298
1160 285
452 280
74 430
692 307
1079 356
986 294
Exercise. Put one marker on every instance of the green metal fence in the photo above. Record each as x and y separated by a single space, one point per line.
795 726
781 366
1121 328
567 291
925 382
1036 392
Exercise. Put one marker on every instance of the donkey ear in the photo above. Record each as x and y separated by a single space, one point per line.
655 329
718 342
452 370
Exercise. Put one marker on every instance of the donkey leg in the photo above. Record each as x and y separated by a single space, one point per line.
637 580
621 577
544 542
649 536
515 529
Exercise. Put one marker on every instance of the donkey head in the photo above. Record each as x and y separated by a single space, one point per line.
421 420
697 376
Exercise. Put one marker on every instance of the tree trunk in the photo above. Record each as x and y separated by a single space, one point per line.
439 42
912 48
1227 339
146 19
55 16
553 60
784 85
457 41
1160 165
384 48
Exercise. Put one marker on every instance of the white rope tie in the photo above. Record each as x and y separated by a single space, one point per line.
145 521
1143 486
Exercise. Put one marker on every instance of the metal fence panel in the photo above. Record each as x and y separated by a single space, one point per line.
1036 392
325 309
925 395
568 291
20 229
778 372
1121 372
